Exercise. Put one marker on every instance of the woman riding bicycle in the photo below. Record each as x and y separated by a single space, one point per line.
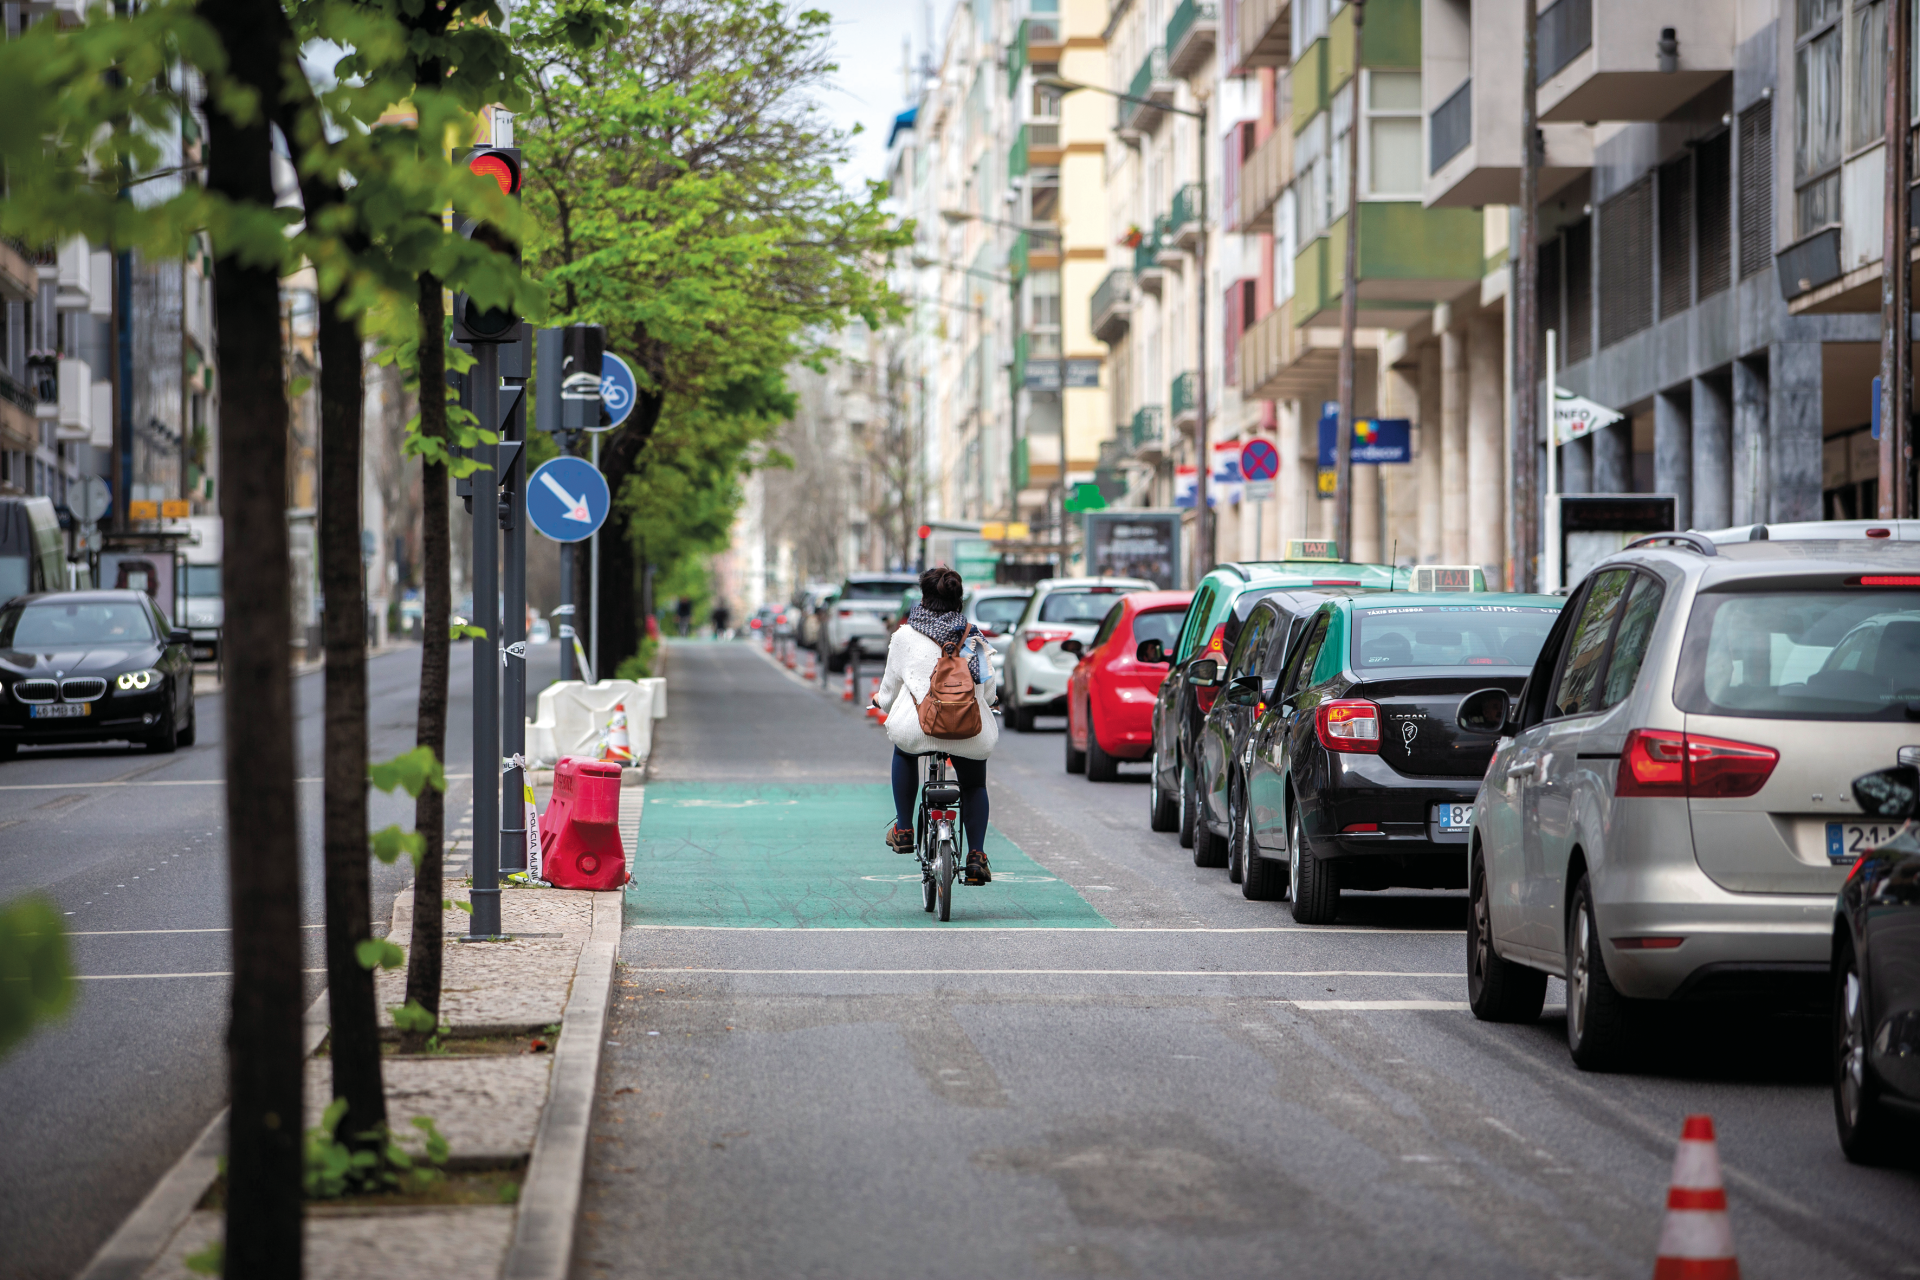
911 657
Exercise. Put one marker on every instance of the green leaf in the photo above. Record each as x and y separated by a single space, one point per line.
379 953
413 772
210 1261
412 1017
457 905
299 387
390 842
464 631
36 974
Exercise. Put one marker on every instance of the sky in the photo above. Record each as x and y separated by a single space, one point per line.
867 90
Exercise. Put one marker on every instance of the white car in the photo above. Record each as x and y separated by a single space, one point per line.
996 610
861 613
1034 681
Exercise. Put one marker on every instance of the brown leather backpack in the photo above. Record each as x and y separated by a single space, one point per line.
950 711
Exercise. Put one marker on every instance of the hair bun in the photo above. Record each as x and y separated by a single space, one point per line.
941 588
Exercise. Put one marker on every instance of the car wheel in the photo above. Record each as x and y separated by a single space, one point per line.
1857 1109
192 731
1598 1016
1209 850
1315 883
167 739
1076 760
1261 879
1020 719
1188 804
1101 767
1163 813
1233 837
8 750
1497 990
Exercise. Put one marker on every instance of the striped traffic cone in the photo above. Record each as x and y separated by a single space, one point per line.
1696 1241
810 671
618 748
847 694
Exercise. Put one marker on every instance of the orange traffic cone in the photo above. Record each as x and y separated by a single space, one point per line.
1696 1241
846 695
617 746
810 671
791 661
875 714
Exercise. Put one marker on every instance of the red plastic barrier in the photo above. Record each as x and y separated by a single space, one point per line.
580 844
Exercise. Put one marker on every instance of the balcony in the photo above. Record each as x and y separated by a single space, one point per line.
1112 308
1450 127
1281 362
1262 34
75 405
1600 61
1474 153
1149 430
1410 258
1147 271
1017 257
1169 254
1038 41
1036 143
1190 36
1263 176
1184 224
1154 89
1184 395
18 429
19 278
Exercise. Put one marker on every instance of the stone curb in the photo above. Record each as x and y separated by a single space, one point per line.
550 1197
133 1248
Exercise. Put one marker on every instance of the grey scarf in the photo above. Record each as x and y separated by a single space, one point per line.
945 629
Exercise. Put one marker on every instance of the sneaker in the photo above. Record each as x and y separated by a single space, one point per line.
978 872
899 839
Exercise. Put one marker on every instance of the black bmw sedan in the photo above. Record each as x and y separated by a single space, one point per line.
93 666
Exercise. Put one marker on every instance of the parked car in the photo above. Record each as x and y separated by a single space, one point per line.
1360 774
1255 653
32 550
1876 970
995 610
1035 676
859 614
1817 530
812 603
1110 692
1669 816
1171 801
93 666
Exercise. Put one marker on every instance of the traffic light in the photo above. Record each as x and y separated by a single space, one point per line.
471 321
581 408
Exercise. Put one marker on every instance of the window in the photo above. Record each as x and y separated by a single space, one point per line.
1756 190
1713 212
1253 644
1676 237
1309 655
1626 262
1449 635
1083 608
1548 280
1282 644
1802 655
1631 639
1576 692
1393 133
1162 625
1579 242
1816 115
1196 617
1866 107
1107 625
67 626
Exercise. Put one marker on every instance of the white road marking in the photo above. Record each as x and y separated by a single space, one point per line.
1391 1006
1134 973
180 782
127 977
999 928
108 933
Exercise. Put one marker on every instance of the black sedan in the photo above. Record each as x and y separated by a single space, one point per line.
1876 977
1359 775
93 666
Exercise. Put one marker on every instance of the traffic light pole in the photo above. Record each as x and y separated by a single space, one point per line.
513 665
485 921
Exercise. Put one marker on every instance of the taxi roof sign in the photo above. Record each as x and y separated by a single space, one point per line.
1312 549
1448 577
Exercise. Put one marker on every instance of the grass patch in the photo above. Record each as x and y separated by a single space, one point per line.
476 1187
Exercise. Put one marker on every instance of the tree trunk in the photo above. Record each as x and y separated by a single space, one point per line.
620 625
355 1037
436 550
263 863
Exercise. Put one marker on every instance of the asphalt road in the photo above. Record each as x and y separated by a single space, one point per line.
1171 1095
132 846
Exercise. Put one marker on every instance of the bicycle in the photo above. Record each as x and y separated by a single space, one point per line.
934 840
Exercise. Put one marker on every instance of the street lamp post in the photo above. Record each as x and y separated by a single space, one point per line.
1203 515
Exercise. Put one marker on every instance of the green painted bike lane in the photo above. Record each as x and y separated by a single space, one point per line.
771 856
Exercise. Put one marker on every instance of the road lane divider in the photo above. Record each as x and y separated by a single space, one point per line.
949 972
1381 1006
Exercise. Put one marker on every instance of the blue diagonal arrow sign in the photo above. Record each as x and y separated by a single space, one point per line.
567 499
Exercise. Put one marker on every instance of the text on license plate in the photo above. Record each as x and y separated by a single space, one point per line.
1848 840
57 710
1453 817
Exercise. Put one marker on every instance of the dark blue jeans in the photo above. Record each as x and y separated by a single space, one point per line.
972 777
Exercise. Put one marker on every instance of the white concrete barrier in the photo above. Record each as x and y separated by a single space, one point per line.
573 718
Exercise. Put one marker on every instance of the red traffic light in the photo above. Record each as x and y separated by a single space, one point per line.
926 531
499 166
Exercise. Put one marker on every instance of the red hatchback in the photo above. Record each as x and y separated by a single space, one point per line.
1110 695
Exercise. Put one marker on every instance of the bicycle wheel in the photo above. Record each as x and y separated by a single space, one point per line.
943 872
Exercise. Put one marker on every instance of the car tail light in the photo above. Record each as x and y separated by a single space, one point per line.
1663 943
1203 696
1348 724
1879 533
1038 640
988 632
1888 580
754 625
1361 829
1661 762
846 613
1336 582
1218 642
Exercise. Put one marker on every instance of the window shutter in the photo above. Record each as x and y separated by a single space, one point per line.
1676 237
1756 188
1578 240
1626 262
1548 278
1715 215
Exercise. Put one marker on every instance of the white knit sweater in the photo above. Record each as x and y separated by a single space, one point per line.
911 658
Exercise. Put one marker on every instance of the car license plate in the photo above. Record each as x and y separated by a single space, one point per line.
1848 840
1453 817
60 710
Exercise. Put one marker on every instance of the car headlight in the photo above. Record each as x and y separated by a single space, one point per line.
136 681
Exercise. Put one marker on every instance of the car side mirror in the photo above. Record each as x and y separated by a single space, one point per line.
1204 673
1073 647
179 635
1151 652
1244 691
1888 793
1484 711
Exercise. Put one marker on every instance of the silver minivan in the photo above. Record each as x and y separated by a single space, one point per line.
1668 815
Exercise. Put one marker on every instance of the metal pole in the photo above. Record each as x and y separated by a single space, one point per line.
1523 491
563 616
1550 527
1895 304
513 668
593 587
485 921
1349 308
1203 514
